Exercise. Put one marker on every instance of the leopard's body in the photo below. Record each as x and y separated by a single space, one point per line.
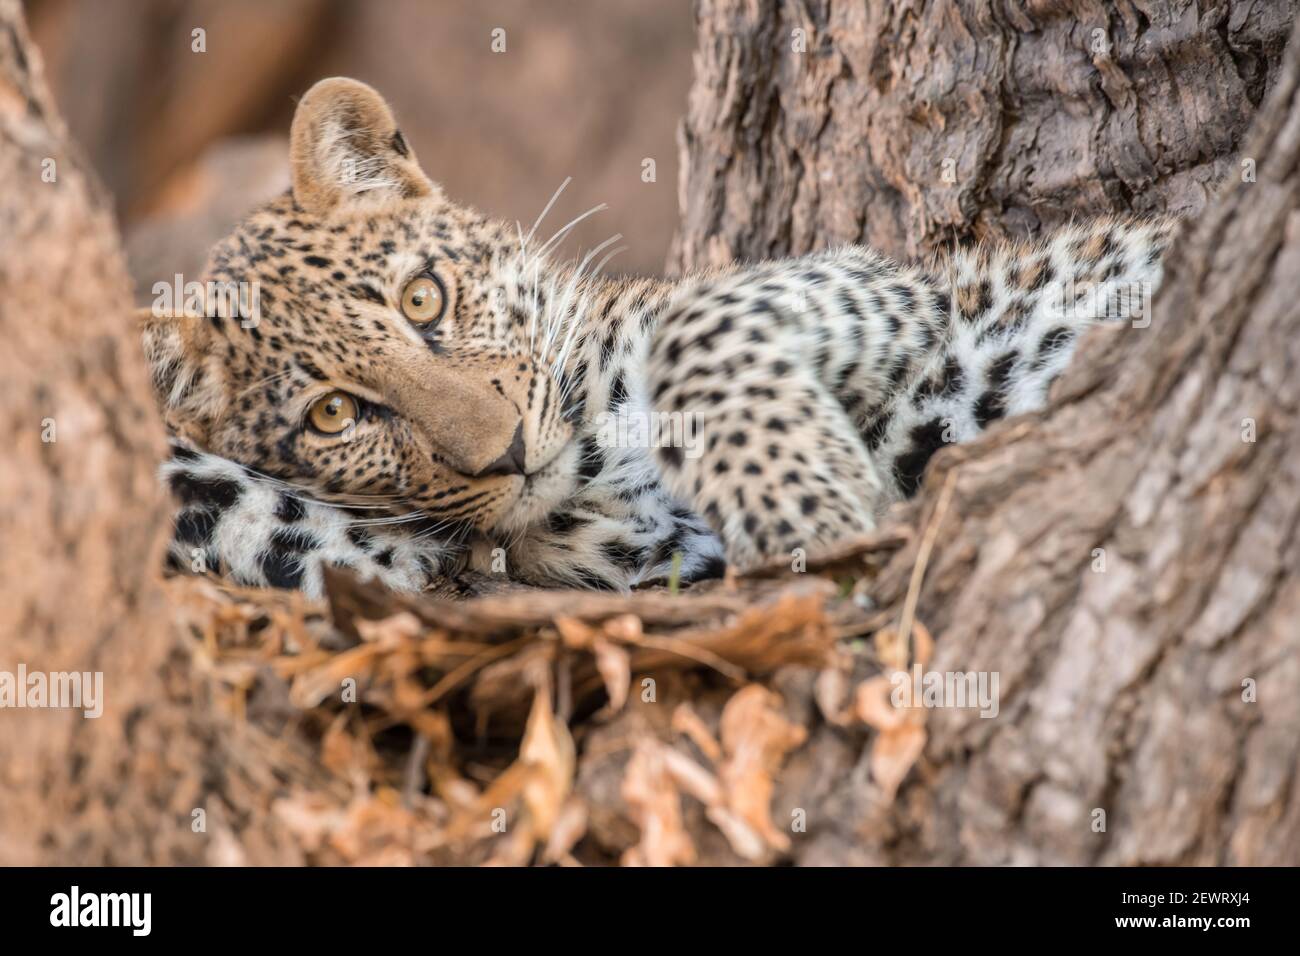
804 395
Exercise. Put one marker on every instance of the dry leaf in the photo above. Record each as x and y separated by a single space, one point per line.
391 631
569 828
615 667
548 753
900 732
577 635
687 721
874 706
755 737
656 807
893 754
831 691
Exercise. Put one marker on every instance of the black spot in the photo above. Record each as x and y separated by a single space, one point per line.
875 432
282 563
320 262
591 461
361 538
563 522
399 143
671 455
617 392
194 527
289 509
194 490
294 540
385 558
363 290
950 384
808 504
992 404
282 569
925 440
594 582
311 368
622 555
1053 341
713 567
848 306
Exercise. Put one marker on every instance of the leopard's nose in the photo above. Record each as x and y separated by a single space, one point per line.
510 463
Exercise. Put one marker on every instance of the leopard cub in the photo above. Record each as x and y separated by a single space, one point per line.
421 389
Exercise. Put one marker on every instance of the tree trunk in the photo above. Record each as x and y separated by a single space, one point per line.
1125 562
80 517
77 499
905 124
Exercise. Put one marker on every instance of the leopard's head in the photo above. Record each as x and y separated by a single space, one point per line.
367 339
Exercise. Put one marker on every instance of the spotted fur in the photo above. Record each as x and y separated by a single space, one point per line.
802 396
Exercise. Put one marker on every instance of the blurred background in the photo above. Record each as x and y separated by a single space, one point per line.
189 140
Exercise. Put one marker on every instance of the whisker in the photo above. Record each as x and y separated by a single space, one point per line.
574 280
565 229
531 232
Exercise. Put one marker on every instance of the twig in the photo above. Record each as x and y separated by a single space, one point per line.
922 559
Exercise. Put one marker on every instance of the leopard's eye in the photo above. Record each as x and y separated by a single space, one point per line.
423 300
333 413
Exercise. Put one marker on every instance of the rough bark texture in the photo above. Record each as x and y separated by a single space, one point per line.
77 512
904 124
1164 689
1127 689
80 516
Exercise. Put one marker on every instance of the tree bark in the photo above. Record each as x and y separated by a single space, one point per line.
905 124
77 500
1126 561
80 518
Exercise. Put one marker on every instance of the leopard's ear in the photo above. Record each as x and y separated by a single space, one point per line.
185 374
345 148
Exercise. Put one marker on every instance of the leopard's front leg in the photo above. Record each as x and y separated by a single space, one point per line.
764 373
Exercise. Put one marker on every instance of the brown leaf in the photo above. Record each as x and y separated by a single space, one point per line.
893 754
873 705
547 751
570 827
831 691
687 721
615 667
577 635
755 737
656 807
